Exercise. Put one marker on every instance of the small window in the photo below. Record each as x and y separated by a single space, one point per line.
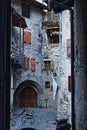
48 65
26 10
53 36
47 84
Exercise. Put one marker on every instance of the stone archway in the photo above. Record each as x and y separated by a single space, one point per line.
27 94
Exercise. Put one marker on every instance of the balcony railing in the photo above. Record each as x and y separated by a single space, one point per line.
17 55
17 45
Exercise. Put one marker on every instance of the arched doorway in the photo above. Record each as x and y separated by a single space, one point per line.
27 94
28 97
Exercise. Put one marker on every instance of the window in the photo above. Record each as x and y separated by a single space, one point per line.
47 84
47 64
26 10
53 35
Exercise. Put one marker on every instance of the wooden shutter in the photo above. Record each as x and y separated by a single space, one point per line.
33 64
69 83
52 65
27 37
26 63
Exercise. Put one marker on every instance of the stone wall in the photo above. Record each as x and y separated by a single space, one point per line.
64 97
80 65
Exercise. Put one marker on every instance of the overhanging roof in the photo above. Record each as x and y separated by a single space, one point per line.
18 20
36 3
60 5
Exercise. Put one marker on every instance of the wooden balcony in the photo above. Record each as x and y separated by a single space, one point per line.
17 57
17 45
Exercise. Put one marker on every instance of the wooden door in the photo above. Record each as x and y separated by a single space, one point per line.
28 97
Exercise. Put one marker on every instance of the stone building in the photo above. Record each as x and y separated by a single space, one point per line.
40 58
34 78
64 96
27 77
61 54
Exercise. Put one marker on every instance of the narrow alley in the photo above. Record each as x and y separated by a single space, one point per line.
43 64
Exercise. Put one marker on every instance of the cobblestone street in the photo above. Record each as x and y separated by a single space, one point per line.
39 119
